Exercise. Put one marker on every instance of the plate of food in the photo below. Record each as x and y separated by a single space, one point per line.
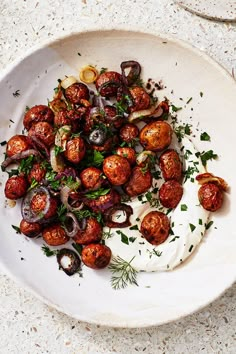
117 193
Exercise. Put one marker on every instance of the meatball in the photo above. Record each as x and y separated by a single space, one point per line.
91 234
30 229
129 132
96 256
141 99
170 165
44 132
108 83
117 169
16 187
127 152
156 136
75 150
139 182
112 117
16 144
55 235
77 92
37 173
91 178
170 194
155 227
104 201
210 196
38 204
39 113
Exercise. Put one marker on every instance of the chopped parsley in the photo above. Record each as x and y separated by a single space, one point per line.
175 109
201 94
16 228
16 93
206 156
124 238
97 193
189 100
192 227
209 224
173 239
134 227
205 137
184 207
48 252
200 221
190 248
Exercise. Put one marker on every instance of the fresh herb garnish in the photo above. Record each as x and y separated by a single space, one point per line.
77 247
3 143
209 224
123 236
103 70
48 252
97 193
123 273
16 228
192 227
205 137
58 150
106 234
175 109
173 239
16 93
154 252
190 248
134 227
201 94
184 207
26 164
206 155
200 221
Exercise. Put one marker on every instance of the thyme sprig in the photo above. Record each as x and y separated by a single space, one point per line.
123 273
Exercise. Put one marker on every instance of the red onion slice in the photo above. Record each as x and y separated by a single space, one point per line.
118 207
64 195
75 227
19 156
133 74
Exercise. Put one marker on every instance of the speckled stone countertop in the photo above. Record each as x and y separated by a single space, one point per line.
29 326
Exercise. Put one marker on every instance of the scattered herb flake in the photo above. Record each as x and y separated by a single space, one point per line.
97 193
192 227
184 207
201 94
16 93
3 143
48 253
190 248
173 239
189 100
207 155
175 109
200 221
124 238
16 228
209 224
134 227
205 137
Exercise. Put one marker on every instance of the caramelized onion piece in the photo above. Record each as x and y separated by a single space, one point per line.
114 209
72 225
19 156
68 261
64 195
155 111
209 177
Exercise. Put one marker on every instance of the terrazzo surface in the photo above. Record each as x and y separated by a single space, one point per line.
29 326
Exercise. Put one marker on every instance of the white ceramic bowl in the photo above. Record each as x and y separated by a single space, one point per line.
160 297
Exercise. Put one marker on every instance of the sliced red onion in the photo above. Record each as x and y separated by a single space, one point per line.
27 213
19 156
133 74
68 261
75 227
118 207
38 144
64 195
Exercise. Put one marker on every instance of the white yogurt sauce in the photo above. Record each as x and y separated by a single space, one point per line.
187 221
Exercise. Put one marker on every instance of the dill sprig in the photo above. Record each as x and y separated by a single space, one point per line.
123 273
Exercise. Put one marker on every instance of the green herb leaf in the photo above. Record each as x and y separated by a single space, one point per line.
58 150
173 239
16 228
175 109
192 227
122 273
205 137
48 252
134 227
77 247
207 155
132 239
97 193
124 238
201 94
189 100
209 224
190 248
184 207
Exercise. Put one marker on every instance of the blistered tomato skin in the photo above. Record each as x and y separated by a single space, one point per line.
156 136
170 165
91 178
139 182
141 99
91 234
210 196
30 229
17 144
108 83
117 169
39 113
44 132
128 153
96 256
170 194
155 227
77 92
37 173
55 235
129 132
16 187
75 150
